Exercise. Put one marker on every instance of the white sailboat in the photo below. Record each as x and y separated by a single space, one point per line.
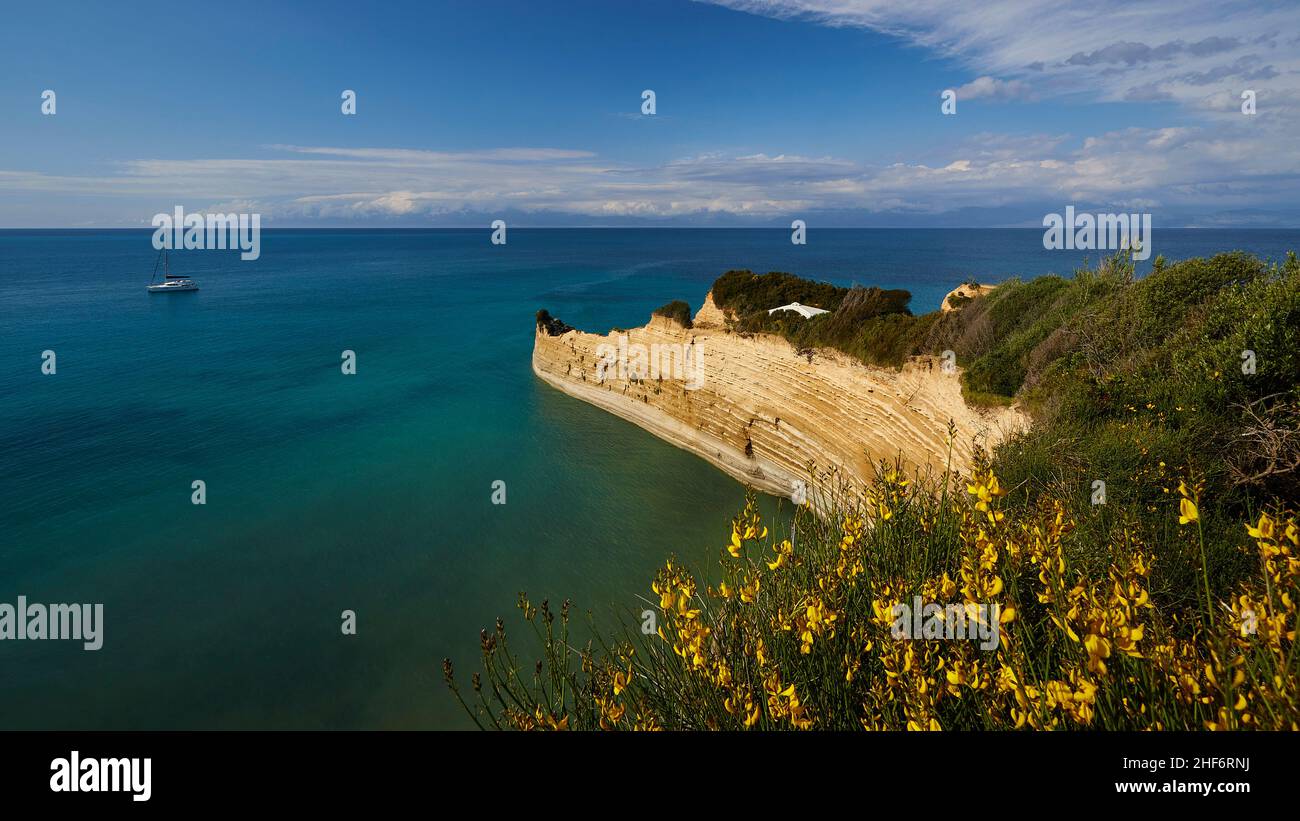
170 282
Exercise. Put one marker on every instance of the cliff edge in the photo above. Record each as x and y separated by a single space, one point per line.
762 411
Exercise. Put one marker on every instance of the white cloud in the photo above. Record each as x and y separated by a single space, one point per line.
1194 54
421 157
993 88
1177 166
1112 49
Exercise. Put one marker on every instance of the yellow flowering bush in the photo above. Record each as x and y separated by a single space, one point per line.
802 632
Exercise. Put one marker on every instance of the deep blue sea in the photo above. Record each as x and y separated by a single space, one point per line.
372 492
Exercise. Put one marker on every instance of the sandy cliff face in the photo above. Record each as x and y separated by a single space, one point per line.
964 290
762 412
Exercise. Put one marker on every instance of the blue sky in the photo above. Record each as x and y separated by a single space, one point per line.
824 110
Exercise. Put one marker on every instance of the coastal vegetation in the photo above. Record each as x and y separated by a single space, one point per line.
678 311
1138 546
553 326
743 292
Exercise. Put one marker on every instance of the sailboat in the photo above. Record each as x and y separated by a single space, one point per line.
170 282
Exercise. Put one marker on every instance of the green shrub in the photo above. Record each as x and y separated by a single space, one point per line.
678 311
744 292
551 325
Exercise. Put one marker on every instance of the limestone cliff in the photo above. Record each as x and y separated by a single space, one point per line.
762 411
967 290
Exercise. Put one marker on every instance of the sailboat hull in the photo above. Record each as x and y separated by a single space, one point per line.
171 282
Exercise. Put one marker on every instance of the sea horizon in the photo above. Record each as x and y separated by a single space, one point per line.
513 227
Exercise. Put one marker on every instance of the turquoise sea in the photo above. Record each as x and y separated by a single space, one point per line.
371 492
